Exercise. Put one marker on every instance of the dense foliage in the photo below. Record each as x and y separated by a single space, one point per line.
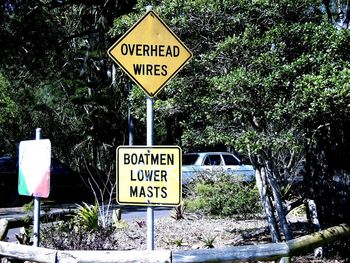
269 79
53 54
224 196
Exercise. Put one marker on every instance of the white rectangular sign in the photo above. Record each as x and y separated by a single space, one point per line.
149 175
34 168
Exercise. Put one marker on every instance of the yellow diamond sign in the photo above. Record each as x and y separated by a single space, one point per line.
150 53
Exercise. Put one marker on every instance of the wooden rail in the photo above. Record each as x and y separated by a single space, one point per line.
263 252
26 220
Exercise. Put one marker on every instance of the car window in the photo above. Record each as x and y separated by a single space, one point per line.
212 159
230 159
189 159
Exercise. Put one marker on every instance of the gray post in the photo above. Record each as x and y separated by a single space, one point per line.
130 119
114 81
150 125
150 210
36 226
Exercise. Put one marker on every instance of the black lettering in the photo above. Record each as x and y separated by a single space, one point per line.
124 49
133 191
146 50
163 159
134 158
148 175
176 51
142 192
149 192
154 159
154 50
163 176
164 72
132 176
161 50
149 158
157 191
138 69
169 52
156 175
126 159
156 70
164 192
140 175
138 50
146 155
149 50
149 69
131 49
170 159
141 160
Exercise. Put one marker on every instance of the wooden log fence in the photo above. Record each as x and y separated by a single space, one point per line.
262 252
50 216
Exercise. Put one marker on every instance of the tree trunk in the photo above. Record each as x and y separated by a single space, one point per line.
278 202
328 9
347 15
312 214
262 187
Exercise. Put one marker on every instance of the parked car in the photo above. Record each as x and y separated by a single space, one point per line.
228 163
65 184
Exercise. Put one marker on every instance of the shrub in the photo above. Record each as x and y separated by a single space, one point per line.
69 236
87 216
224 196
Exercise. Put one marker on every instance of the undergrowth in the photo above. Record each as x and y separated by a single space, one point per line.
223 196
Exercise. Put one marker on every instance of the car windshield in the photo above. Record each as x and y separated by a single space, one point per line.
189 159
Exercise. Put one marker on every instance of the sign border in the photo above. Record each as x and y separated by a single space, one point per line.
22 187
149 147
129 74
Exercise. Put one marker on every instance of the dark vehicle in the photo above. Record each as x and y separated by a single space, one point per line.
65 184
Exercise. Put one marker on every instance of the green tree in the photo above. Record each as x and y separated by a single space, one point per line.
8 114
53 54
267 79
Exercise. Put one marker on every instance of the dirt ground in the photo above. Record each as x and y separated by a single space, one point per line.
193 232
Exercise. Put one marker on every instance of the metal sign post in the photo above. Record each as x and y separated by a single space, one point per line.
150 126
36 226
151 54
130 118
34 162
150 210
